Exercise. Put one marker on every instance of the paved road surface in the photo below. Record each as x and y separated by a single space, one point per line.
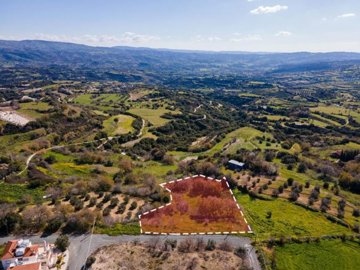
79 247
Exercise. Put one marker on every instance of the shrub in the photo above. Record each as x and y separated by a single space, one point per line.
106 211
241 252
92 202
121 209
53 225
106 198
62 243
89 261
275 193
325 204
290 181
133 205
186 246
113 202
302 168
211 245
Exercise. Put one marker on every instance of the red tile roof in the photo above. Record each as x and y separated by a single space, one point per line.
30 266
9 250
31 251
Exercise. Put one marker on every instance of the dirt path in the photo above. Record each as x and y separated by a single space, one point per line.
197 108
28 160
141 131
103 140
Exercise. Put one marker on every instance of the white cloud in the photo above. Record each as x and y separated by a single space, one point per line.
283 34
346 15
268 9
214 38
201 38
130 37
237 37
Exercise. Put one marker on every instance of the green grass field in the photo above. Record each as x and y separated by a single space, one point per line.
12 193
246 138
119 229
328 254
324 152
155 168
152 115
9 142
123 126
340 112
276 117
287 219
30 109
102 102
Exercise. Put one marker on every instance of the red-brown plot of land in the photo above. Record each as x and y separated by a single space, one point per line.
198 205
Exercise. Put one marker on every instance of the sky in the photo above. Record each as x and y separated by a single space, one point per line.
217 25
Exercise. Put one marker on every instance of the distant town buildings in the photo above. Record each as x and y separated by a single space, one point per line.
23 255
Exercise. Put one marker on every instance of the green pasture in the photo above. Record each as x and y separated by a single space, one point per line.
287 219
123 125
328 254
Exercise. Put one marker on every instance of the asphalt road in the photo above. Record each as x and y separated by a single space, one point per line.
83 245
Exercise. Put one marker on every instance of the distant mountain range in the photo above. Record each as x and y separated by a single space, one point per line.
159 62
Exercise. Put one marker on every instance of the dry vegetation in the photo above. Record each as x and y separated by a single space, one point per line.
155 254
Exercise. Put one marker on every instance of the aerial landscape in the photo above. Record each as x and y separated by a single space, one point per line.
179 135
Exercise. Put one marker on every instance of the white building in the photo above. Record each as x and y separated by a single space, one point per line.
23 255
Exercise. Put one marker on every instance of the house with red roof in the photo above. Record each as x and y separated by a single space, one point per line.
23 255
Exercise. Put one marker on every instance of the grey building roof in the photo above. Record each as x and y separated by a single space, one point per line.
237 163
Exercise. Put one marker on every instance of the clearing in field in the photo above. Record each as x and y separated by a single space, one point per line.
313 256
154 116
198 205
119 124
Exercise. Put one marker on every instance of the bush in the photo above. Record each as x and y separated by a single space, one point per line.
186 246
275 193
241 252
290 181
211 245
302 168
356 212
53 225
62 243
92 202
89 261
106 211
121 209
114 202
133 205
106 198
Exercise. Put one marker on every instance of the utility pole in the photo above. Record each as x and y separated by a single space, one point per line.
91 236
